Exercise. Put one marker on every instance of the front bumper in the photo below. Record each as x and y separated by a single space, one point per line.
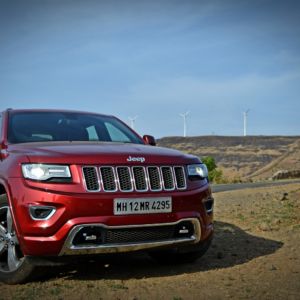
54 236
70 248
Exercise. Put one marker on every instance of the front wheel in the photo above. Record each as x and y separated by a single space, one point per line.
14 266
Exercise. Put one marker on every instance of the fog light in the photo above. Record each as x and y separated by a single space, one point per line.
41 213
209 205
184 229
89 235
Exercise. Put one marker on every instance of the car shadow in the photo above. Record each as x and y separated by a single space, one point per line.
231 246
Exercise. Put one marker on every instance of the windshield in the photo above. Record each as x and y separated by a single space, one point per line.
26 127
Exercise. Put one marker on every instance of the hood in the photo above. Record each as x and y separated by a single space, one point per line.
100 153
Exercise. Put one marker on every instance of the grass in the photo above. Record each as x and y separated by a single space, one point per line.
116 286
55 291
268 212
241 217
297 227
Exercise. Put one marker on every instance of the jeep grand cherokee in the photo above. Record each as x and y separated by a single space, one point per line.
76 183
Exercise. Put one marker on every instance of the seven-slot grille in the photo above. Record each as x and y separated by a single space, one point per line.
136 178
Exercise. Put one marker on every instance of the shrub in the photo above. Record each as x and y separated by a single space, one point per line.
214 174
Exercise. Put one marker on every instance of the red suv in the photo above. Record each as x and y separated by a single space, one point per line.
76 183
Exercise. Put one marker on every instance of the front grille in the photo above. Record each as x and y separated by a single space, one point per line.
91 178
154 179
108 179
125 179
168 178
180 177
139 176
136 178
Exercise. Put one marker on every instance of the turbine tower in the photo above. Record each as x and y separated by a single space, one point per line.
184 115
132 121
245 121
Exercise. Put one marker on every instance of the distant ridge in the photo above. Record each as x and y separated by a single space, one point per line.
256 157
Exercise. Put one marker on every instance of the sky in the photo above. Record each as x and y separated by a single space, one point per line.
155 60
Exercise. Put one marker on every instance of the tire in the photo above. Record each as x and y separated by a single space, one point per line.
14 266
181 255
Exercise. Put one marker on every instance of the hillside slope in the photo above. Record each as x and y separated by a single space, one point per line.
257 157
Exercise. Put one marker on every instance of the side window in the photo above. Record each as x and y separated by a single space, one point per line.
116 135
92 132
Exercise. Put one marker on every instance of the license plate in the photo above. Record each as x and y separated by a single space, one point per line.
132 206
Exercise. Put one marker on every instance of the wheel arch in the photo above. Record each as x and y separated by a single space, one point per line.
4 189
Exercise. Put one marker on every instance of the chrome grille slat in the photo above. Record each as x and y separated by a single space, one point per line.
91 179
168 178
134 178
180 177
124 179
140 181
155 182
108 179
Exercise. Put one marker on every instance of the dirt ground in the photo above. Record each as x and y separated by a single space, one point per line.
255 255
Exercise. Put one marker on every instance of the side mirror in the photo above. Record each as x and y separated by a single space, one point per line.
149 140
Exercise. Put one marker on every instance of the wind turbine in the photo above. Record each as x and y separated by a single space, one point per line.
245 121
184 115
132 121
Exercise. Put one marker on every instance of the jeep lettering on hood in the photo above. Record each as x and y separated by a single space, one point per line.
138 159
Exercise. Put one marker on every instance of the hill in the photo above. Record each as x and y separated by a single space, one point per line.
256 157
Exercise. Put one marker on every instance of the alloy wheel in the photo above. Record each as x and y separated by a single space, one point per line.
11 257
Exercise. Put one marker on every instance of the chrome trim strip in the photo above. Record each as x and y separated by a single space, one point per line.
53 210
162 176
145 174
69 249
209 211
160 179
184 177
84 180
115 179
131 179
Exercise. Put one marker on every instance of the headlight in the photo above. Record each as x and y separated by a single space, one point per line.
43 172
199 170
